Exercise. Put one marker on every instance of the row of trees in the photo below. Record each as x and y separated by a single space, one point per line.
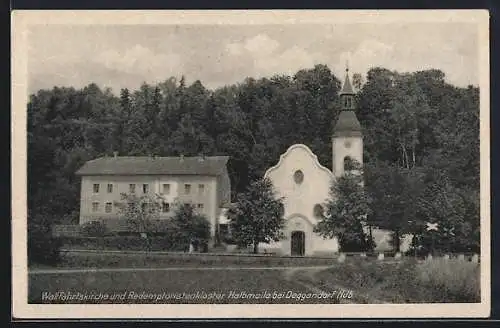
415 125
405 206
403 201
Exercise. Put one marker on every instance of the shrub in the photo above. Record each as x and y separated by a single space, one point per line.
190 227
43 248
131 242
94 229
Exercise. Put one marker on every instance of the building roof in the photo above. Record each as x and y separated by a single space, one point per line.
347 87
347 124
128 165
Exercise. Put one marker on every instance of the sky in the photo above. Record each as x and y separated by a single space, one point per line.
119 56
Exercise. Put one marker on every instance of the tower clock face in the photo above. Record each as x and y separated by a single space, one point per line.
347 144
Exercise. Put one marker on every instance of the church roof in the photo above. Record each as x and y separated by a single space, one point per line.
347 124
347 87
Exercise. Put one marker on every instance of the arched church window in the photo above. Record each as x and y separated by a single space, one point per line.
318 211
348 164
298 177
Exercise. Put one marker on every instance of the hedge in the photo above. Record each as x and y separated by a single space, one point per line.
125 242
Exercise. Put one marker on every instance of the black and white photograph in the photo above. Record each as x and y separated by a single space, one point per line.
241 161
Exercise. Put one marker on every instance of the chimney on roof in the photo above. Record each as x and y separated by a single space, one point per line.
115 154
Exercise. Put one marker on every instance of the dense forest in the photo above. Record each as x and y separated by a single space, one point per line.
421 138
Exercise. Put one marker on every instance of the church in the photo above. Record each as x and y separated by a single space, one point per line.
304 184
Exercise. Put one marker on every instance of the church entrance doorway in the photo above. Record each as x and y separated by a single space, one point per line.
298 243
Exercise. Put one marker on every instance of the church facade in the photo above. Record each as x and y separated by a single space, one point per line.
304 184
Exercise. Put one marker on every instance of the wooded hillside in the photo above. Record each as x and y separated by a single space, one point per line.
421 138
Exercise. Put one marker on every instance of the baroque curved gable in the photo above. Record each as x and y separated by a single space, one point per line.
289 151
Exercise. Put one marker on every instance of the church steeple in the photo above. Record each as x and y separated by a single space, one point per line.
347 93
347 139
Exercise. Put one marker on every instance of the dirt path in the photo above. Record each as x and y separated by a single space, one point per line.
237 268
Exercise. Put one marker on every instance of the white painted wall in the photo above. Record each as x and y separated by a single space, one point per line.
345 146
121 185
300 199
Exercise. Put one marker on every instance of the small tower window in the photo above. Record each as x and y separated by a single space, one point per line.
348 102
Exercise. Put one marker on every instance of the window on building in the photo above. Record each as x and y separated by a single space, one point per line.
348 164
109 207
201 189
166 208
348 102
298 176
145 188
187 189
110 187
200 206
166 188
131 188
318 211
95 207
96 188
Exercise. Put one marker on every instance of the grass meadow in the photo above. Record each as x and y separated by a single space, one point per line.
406 281
372 281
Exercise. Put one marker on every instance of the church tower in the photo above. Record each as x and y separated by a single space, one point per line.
347 140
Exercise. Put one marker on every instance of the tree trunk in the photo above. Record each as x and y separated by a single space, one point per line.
397 245
405 154
413 155
255 247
